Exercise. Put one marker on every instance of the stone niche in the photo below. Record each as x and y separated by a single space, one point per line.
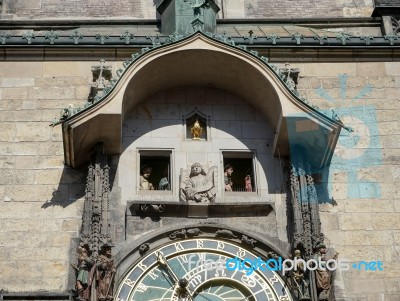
155 135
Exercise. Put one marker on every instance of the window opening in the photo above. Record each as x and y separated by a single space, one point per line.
155 171
239 173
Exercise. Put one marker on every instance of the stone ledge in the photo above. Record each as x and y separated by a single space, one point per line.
44 295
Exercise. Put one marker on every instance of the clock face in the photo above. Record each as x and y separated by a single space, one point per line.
195 269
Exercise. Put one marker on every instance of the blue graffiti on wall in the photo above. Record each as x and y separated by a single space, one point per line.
358 147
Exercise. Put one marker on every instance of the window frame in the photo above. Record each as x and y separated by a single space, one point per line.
240 154
155 152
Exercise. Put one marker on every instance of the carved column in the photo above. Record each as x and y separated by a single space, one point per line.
307 225
95 226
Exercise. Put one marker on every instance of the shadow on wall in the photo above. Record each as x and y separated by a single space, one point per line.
156 3
71 186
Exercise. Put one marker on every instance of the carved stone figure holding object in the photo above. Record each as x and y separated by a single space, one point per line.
323 277
83 268
299 283
104 275
199 187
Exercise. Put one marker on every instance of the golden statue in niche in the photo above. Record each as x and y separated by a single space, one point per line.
196 130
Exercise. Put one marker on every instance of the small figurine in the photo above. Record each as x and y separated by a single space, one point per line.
247 183
164 183
196 130
228 170
144 178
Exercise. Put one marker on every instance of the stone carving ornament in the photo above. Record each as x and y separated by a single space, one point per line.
95 267
198 186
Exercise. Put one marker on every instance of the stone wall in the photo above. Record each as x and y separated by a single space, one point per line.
146 9
41 200
362 220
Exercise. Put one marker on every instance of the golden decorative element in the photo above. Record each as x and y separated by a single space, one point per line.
196 130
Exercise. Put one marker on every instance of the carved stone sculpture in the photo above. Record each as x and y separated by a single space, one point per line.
178 234
300 285
95 234
248 241
104 271
83 268
323 277
144 248
199 186
225 233
193 232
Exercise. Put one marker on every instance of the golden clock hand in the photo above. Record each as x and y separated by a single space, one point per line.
161 259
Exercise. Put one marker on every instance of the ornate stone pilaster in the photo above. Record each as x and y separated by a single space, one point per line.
95 268
95 227
307 225
307 234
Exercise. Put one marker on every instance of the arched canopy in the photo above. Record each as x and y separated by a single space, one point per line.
200 60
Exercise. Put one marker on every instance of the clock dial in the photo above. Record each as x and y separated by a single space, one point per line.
194 269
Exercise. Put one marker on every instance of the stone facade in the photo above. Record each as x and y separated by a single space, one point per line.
41 199
145 9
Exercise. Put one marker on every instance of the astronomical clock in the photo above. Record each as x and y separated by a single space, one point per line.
201 269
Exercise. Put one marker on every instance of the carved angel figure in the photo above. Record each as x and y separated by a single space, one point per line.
199 187
196 130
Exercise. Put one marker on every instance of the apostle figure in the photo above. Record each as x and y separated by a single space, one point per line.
323 276
228 170
83 269
144 183
104 271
